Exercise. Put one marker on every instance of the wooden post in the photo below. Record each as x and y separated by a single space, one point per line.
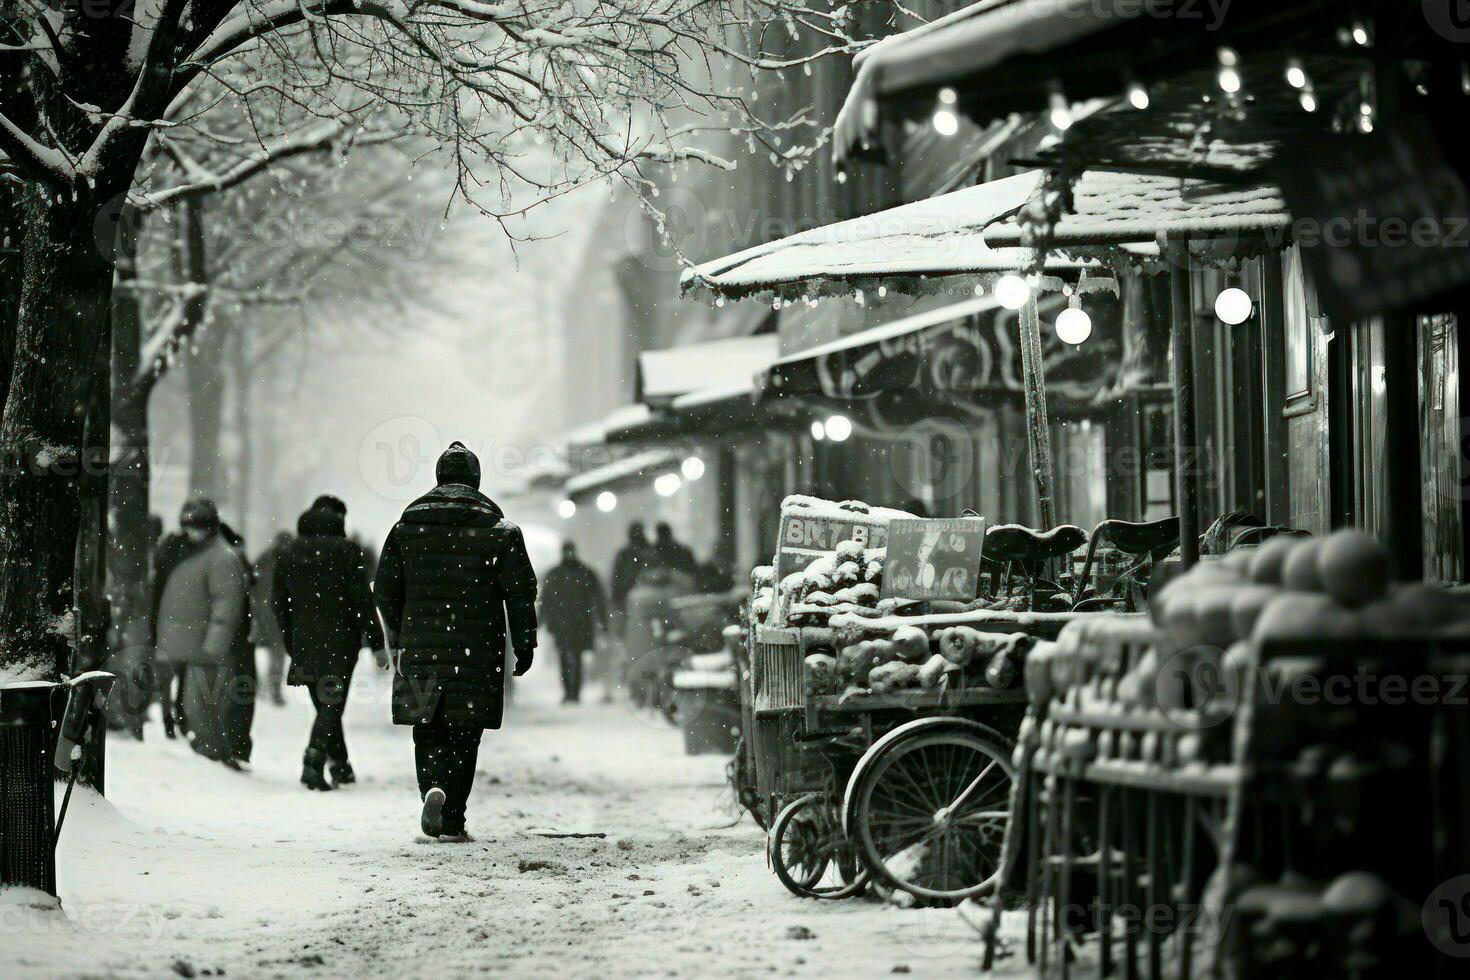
1181 320
1038 429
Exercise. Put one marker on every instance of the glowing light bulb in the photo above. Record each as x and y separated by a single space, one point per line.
1011 291
1296 77
566 510
948 96
1309 101
667 485
945 122
692 468
1233 305
1073 325
1060 113
819 431
838 428
1138 96
1229 81
607 501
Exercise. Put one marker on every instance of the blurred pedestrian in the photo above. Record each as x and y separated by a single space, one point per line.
202 623
672 554
635 558
453 576
267 630
322 601
572 608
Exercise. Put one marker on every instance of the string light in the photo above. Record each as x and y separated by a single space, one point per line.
1233 305
1061 114
948 96
1296 76
1229 77
692 468
1011 291
882 291
1138 96
819 431
945 122
1361 37
566 510
1309 101
667 485
1073 325
838 428
607 501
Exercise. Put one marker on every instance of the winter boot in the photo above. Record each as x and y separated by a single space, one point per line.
431 821
311 771
342 774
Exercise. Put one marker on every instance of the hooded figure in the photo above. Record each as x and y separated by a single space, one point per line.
453 577
201 620
325 612
635 558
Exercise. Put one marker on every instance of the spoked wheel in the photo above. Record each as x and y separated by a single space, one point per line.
809 853
928 812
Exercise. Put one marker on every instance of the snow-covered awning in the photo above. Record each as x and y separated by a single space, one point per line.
879 358
597 433
954 46
665 375
935 245
1118 209
619 473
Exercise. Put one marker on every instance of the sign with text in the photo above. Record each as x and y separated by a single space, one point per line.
1385 226
934 559
807 537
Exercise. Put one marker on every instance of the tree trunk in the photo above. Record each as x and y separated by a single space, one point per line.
205 362
130 543
243 457
65 289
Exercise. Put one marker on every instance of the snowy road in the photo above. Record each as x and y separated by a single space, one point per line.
189 869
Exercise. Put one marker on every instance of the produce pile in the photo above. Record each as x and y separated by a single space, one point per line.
1208 627
914 659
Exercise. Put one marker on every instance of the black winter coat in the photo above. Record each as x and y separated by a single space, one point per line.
453 572
321 600
572 605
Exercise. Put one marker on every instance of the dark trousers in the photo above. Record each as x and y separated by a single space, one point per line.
445 755
329 697
569 652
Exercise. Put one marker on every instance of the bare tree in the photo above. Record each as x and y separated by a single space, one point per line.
83 88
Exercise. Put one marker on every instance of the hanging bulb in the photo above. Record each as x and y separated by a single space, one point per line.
1229 77
1309 100
1360 34
948 96
1060 113
1296 76
1073 325
945 122
882 291
1011 291
1233 305
1138 96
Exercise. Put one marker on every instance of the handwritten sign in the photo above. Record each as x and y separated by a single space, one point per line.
805 538
934 559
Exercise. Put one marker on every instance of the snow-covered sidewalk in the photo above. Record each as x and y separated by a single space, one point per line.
190 869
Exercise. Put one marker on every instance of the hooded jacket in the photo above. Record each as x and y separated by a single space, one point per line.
321 599
454 575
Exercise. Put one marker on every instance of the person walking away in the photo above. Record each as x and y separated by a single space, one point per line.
324 607
267 630
202 627
572 608
453 577
670 553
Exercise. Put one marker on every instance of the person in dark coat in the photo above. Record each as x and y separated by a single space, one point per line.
201 633
670 553
453 576
324 607
267 630
635 558
572 609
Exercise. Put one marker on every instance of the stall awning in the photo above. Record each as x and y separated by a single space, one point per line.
928 246
1115 209
881 358
637 468
1003 56
665 375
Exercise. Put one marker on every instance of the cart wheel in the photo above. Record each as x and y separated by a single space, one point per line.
809 854
929 812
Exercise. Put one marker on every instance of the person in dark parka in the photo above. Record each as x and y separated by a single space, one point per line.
324 610
453 576
572 609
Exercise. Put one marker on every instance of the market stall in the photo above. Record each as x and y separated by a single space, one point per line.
1272 763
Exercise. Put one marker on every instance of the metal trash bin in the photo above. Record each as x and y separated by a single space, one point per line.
29 714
